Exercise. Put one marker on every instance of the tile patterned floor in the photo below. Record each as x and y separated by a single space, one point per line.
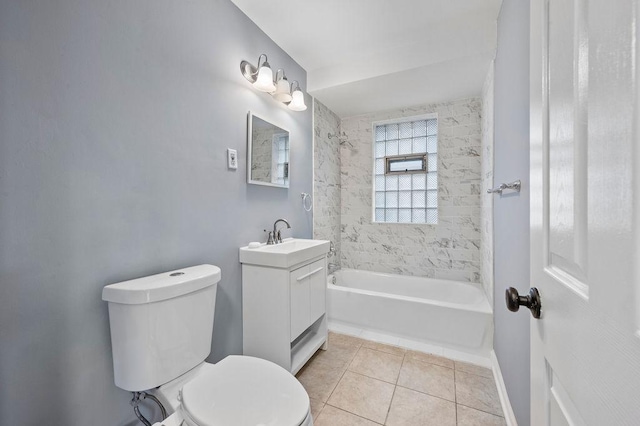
357 382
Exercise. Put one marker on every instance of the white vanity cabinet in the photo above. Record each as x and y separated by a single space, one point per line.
284 311
308 286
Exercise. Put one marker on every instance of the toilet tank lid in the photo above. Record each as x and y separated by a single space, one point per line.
162 286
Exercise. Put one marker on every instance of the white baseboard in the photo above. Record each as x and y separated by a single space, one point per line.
477 357
509 416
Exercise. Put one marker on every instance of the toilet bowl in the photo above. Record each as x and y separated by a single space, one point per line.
161 328
239 390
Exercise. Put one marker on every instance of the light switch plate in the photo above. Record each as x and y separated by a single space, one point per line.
232 158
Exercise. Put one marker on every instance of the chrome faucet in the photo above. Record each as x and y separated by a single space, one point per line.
276 232
270 240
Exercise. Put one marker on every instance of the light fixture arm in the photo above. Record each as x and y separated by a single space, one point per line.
249 71
264 62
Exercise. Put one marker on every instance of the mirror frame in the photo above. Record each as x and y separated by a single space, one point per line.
250 116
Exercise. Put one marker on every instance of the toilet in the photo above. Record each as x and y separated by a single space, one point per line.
161 329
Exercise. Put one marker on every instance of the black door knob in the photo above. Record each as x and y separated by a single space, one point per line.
531 301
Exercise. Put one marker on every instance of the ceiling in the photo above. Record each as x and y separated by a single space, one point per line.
371 55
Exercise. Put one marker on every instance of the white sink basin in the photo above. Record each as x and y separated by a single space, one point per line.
288 253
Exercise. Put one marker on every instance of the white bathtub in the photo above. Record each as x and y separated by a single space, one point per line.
451 315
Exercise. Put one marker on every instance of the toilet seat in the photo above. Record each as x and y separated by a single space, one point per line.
244 391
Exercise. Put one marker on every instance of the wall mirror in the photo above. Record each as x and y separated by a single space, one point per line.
267 153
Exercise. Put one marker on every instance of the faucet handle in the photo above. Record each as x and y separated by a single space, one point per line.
278 237
270 238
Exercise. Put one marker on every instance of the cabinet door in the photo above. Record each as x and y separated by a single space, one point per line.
317 290
299 301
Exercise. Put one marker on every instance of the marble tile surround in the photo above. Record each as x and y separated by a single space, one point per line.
448 250
487 182
326 182
261 155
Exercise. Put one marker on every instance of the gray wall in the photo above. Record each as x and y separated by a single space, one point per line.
115 117
511 212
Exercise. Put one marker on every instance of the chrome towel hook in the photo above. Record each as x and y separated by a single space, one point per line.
515 186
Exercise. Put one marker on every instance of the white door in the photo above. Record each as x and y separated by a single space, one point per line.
585 212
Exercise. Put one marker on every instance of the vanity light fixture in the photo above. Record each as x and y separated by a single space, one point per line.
261 76
297 101
283 92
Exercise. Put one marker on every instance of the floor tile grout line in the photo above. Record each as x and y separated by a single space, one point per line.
445 399
384 352
375 378
432 363
455 386
354 414
368 377
425 393
340 379
473 374
481 410
428 394
342 375
455 392
363 375
482 377
327 364
400 371
386 417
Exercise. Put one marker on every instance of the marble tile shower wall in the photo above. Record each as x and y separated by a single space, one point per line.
261 155
487 182
448 250
326 182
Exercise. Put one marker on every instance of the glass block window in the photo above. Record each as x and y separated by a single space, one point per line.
405 171
280 159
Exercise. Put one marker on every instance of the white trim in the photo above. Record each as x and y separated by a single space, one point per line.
250 116
509 415
313 167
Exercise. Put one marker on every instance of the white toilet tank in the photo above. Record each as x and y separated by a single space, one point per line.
161 325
